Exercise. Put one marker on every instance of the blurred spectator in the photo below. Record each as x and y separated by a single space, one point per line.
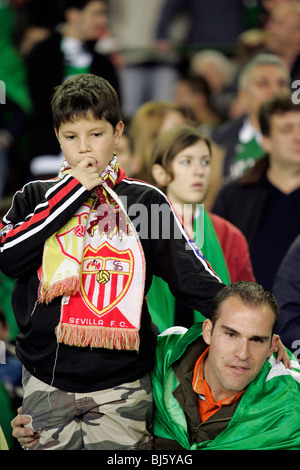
215 23
32 35
278 35
6 288
287 292
7 414
68 51
11 370
10 382
262 77
219 71
266 7
283 35
148 122
148 74
15 102
7 285
125 152
35 21
45 166
215 66
193 91
249 43
264 204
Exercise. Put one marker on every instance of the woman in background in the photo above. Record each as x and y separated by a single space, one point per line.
181 167
146 125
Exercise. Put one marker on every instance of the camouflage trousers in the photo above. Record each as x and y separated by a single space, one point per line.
119 418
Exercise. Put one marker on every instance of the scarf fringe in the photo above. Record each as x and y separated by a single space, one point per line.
98 337
69 286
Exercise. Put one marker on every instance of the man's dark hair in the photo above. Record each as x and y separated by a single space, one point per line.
250 293
84 94
197 84
279 105
78 4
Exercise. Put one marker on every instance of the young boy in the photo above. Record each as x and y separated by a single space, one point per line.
87 342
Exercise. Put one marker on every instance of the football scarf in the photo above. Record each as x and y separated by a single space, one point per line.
96 263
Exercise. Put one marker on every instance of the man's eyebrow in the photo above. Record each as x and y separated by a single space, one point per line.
259 338
253 338
230 330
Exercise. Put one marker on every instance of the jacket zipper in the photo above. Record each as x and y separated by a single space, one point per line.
205 422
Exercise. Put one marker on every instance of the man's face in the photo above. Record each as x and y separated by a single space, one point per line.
239 344
91 21
185 96
264 82
89 137
283 32
283 144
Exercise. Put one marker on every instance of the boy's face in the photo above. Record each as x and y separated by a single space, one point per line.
89 137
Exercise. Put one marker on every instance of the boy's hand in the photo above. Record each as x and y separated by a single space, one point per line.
86 173
282 355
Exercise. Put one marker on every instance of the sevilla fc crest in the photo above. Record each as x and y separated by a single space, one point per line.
106 276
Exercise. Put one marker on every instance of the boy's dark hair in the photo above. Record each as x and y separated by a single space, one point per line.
84 94
279 105
172 142
250 293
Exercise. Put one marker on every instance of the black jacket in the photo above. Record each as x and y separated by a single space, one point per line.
248 203
42 208
244 201
287 292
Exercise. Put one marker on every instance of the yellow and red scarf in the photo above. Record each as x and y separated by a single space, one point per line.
96 263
